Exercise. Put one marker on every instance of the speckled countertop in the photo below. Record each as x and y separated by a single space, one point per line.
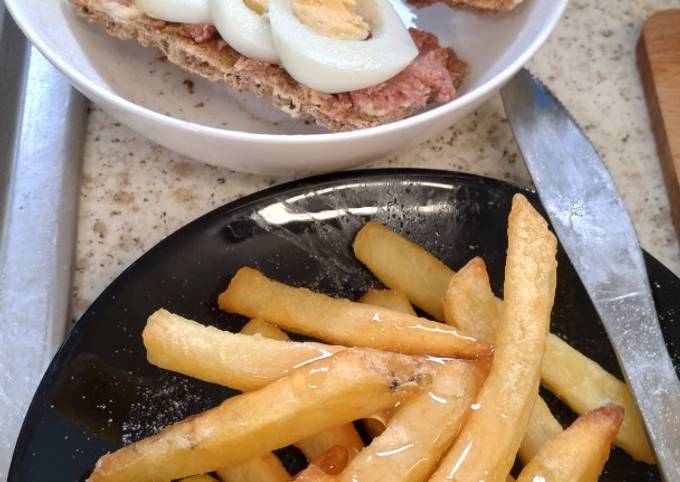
135 193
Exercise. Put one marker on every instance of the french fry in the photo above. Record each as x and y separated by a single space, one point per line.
265 329
576 379
471 305
345 436
200 478
234 360
420 431
324 467
391 299
314 474
469 302
349 385
487 445
267 468
377 423
579 453
541 428
302 311
584 385
332 461
404 266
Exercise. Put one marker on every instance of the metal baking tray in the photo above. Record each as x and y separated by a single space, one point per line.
41 135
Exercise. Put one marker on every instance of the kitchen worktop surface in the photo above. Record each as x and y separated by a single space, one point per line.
134 193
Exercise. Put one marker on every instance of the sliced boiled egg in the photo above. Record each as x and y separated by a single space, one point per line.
333 65
182 11
245 28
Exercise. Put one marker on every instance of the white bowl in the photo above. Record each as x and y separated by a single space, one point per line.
244 133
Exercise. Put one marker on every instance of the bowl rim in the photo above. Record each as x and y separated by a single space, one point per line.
85 85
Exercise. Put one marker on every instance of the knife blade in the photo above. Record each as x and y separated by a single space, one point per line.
597 234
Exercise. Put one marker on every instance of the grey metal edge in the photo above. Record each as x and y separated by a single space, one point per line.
41 135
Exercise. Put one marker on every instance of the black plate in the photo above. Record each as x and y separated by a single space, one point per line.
100 392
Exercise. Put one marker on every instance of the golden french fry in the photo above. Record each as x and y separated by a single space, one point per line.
302 311
263 328
584 385
579 453
469 302
541 428
332 461
234 360
390 299
377 423
314 474
487 445
420 431
471 306
349 385
313 447
267 468
345 436
200 478
324 467
404 266
579 381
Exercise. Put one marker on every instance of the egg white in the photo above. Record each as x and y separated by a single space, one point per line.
182 11
244 30
332 65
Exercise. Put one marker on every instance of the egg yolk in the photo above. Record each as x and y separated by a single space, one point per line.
333 18
259 6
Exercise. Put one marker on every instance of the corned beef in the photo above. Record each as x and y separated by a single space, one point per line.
199 32
157 24
425 79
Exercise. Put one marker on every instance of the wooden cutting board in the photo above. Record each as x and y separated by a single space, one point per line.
658 58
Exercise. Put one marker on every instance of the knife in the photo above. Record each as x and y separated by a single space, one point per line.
597 234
